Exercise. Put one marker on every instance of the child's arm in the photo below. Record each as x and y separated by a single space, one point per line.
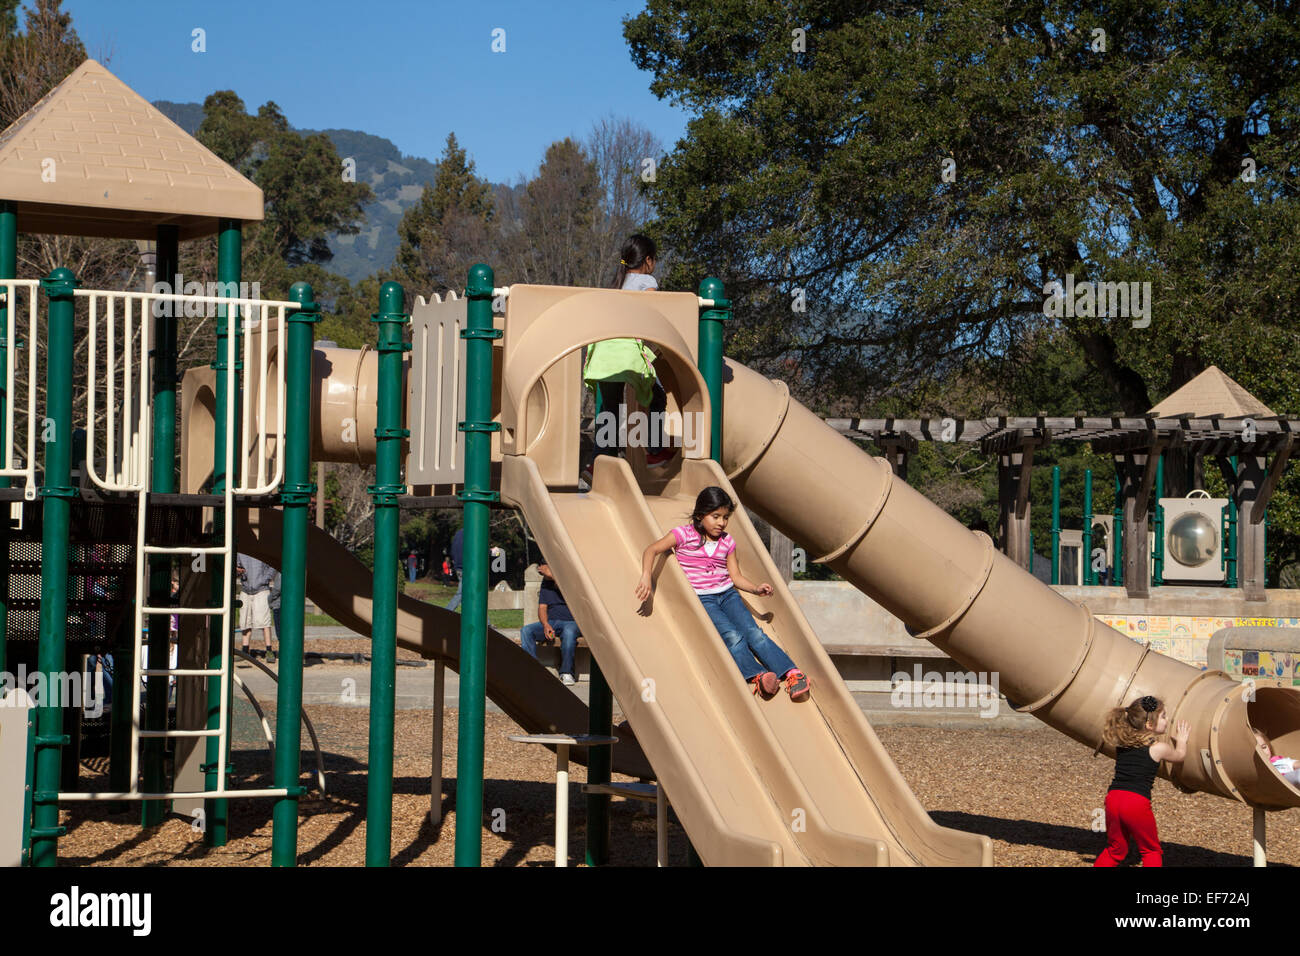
1174 754
644 586
742 582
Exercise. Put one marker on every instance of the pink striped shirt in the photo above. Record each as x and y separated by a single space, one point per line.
704 561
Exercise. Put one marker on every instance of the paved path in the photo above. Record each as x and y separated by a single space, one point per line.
347 684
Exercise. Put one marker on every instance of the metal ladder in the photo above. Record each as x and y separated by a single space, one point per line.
12 292
127 455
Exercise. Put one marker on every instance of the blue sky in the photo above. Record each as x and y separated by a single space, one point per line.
407 70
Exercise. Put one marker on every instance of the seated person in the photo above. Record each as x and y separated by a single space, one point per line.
552 615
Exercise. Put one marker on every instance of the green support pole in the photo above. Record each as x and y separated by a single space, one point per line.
119 724
220 639
1056 524
1158 558
57 493
600 721
1117 533
710 365
8 270
477 497
388 487
296 496
1088 579
710 361
162 479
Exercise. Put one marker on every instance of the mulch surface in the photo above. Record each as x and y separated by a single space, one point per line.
1035 793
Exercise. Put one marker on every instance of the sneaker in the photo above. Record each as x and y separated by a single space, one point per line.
798 686
270 657
568 680
766 685
656 458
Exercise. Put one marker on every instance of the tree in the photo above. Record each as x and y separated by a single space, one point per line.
451 227
558 241
626 156
916 176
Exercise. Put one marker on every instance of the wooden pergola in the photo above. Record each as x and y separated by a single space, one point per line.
1211 417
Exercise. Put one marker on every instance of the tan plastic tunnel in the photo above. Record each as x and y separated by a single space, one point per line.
950 586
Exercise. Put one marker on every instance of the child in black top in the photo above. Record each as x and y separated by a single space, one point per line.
1132 731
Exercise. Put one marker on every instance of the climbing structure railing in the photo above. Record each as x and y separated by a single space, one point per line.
258 469
18 293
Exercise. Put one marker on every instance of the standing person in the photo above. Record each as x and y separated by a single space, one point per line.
707 555
446 569
553 615
613 363
457 552
412 565
273 602
1133 732
255 602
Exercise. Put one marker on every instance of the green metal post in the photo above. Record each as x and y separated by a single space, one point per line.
1088 579
57 493
220 639
162 479
1117 533
477 497
296 496
388 487
710 360
1056 524
8 270
1158 559
600 721
710 365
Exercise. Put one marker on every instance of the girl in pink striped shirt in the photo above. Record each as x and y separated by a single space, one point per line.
707 556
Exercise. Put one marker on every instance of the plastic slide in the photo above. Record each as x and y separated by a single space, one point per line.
952 587
342 587
753 782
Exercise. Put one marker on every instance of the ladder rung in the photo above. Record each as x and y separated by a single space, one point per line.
159 549
178 733
186 672
207 611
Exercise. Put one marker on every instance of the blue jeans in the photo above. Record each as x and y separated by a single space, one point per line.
568 631
743 637
460 583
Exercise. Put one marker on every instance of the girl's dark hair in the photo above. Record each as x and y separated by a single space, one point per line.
633 255
708 501
1134 725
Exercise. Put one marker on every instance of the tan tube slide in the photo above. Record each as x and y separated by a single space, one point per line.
950 586
342 587
753 782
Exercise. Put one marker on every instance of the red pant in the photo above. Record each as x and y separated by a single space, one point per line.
1129 816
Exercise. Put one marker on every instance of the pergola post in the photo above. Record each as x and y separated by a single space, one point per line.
1014 507
1250 526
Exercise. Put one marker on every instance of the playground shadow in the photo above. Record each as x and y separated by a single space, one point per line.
1082 843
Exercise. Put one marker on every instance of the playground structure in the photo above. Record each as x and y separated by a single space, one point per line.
752 783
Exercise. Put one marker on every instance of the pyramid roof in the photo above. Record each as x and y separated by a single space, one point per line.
1212 394
94 158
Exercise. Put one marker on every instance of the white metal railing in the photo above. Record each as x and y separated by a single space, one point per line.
13 291
128 454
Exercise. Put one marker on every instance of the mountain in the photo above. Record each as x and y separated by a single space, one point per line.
396 179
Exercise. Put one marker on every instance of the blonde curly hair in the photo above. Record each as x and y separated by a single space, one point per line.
1134 725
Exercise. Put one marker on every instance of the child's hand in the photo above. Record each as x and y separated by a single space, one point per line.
763 589
643 588
1182 731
